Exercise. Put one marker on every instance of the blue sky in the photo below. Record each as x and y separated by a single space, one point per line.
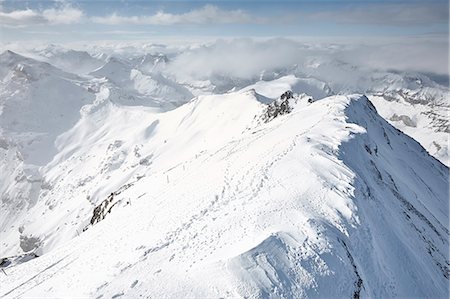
65 21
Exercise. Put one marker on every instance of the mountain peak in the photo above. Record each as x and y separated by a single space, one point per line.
8 56
323 196
262 191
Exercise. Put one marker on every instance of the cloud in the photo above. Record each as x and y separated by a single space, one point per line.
208 14
62 14
247 59
243 58
65 15
422 55
386 14
20 17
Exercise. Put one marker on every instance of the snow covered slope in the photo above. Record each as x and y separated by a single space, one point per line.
140 87
423 115
69 60
209 200
166 77
38 102
411 102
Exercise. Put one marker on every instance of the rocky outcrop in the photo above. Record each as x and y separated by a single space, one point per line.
403 118
11 261
29 243
102 209
279 107
284 105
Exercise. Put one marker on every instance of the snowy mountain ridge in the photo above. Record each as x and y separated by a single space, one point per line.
322 201
275 189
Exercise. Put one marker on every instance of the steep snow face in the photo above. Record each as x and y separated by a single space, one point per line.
417 106
209 201
411 102
426 121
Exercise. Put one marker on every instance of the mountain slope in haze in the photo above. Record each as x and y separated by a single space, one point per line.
212 201
69 60
140 87
38 102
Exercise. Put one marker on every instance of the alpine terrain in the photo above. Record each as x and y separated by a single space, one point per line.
122 175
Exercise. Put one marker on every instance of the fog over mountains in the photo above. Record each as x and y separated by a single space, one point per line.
239 168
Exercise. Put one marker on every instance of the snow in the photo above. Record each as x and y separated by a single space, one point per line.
305 205
33 111
209 198
431 132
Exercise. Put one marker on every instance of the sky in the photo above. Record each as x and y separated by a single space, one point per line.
66 21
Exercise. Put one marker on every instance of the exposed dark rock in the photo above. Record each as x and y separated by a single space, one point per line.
404 118
279 107
107 204
287 95
102 209
29 243
11 261
359 282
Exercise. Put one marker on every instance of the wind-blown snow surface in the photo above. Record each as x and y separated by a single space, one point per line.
329 200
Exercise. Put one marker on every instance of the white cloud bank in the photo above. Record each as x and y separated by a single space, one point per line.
62 14
397 14
246 58
208 14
